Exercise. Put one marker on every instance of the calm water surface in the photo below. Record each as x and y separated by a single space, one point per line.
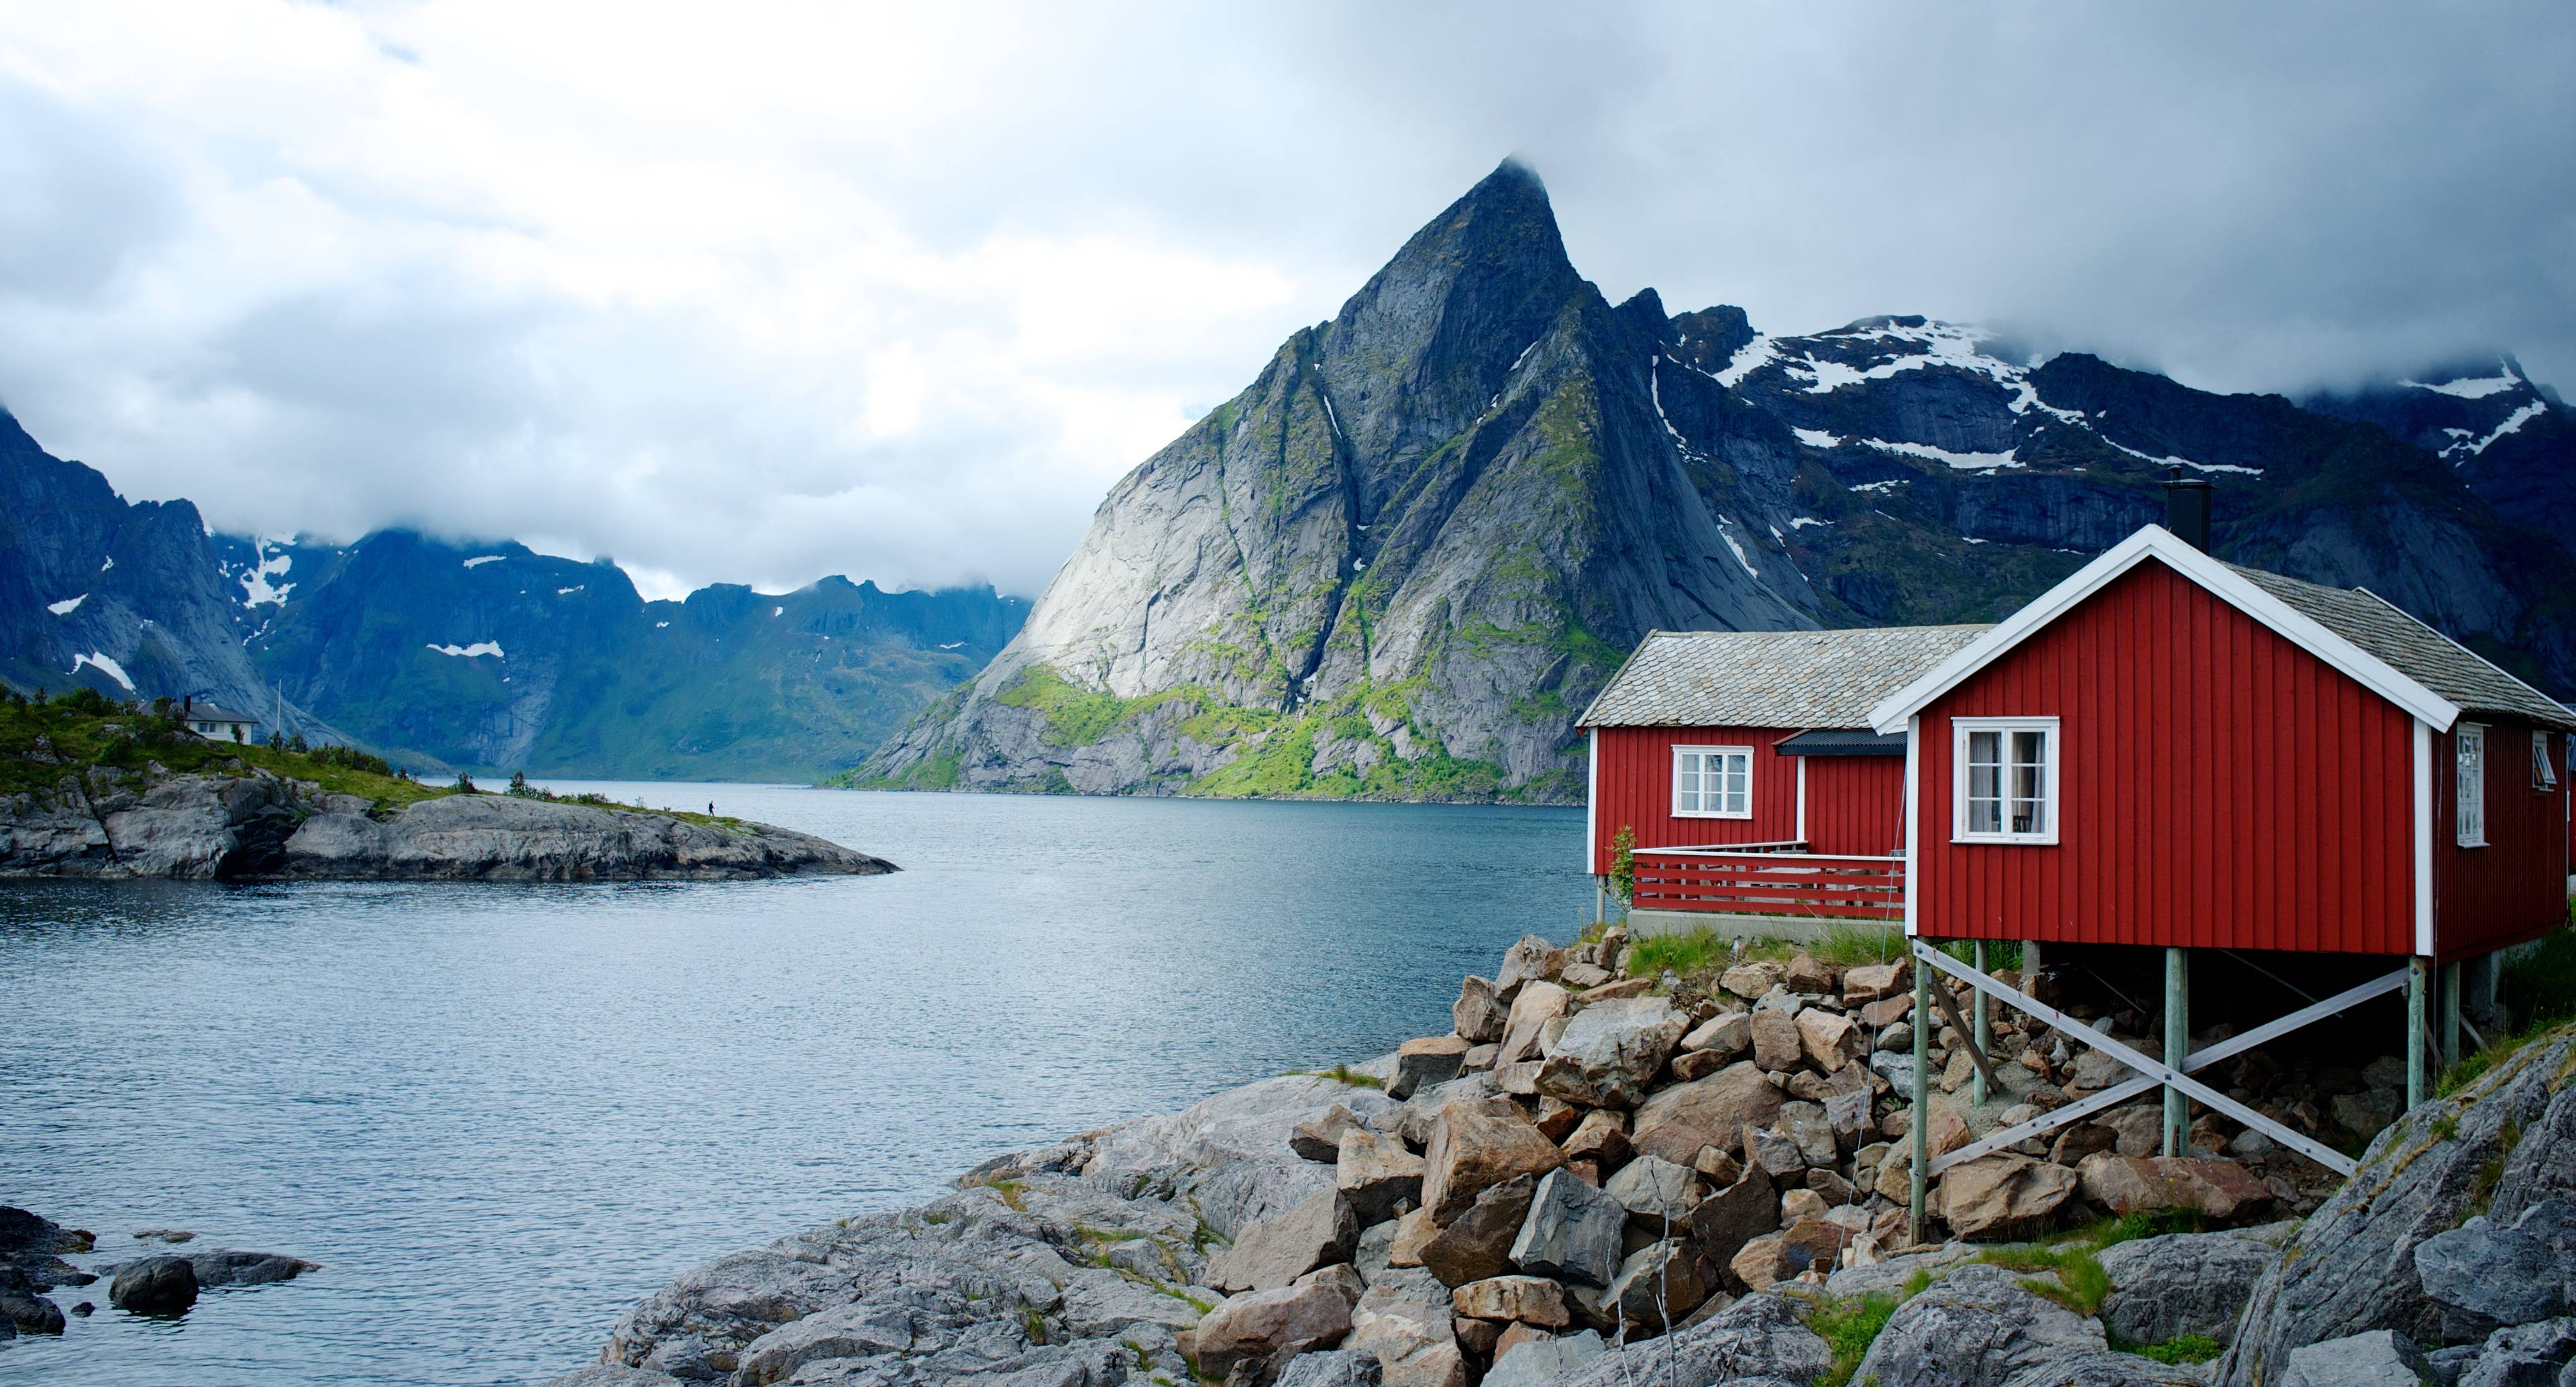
499 1115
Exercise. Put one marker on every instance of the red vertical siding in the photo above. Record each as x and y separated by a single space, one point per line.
2514 888
1634 783
2218 787
1856 804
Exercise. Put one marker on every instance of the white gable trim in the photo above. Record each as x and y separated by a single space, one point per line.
2421 871
2157 542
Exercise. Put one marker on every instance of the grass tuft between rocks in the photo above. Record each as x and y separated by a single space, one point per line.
1849 1327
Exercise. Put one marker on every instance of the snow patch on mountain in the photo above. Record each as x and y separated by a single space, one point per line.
482 559
491 648
2475 388
1817 438
1965 462
67 606
257 590
105 666
2466 443
1749 358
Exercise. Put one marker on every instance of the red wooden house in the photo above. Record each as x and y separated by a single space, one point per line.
2172 751
2167 751
1735 761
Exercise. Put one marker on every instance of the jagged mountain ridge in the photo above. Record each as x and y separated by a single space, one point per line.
1400 562
482 656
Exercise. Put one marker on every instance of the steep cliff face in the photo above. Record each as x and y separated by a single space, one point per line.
122 598
1403 559
1395 564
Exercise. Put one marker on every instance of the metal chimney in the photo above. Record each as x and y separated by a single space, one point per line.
2187 508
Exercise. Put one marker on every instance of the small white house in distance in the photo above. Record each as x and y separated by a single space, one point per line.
216 725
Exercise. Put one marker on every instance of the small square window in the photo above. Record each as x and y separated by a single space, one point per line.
2544 771
2006 780
1713 782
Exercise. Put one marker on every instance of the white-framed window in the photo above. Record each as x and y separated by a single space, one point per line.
1713 782
2470 745
2544 771
2005 780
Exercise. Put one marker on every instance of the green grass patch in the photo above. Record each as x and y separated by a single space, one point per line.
2539 993
1344 1074
1701 953
1010 1190
2190 1348
1849 1327
2080 1283
81 731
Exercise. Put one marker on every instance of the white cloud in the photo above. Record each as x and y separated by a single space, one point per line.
760 293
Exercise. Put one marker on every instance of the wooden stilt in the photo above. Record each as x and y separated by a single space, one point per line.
1978 1091
2177 1046
1920 1120
2450 1015
2418 984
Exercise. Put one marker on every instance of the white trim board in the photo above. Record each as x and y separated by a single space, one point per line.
1592 803
2423 855
2157 542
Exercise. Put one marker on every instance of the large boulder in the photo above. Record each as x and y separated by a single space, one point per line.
2525 1355
1572 1232
1539 1362
2219 1190
1725 1221
1676 1122
2486 1275
1268 1326
1374 1173
1611 1050
1319 1138
1777 1044
154 1286
1830 1040
2001 1197
1528 1299
1756 1342
1478 1014
1275 1251
1538 1004
1478 1243
1405 1321
1530 959
2183 1283
1979 1327
1430 1060
1657 1285
2500 1142
1655 1190
1476 1145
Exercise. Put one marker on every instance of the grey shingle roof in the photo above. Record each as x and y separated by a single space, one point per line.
1769 678
2412 648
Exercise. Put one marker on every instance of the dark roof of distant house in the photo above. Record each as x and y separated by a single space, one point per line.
207 712
2398 640
1769 678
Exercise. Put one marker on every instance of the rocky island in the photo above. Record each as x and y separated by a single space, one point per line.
1615 1170
91 788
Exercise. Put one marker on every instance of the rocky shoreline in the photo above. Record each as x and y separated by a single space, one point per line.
256 825
1602 1179
155 1283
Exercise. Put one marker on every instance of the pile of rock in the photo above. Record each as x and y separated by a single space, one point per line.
31 1264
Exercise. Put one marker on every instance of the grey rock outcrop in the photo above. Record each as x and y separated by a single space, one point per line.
2485 1275
2379 1358
1979 1327
2184 1283
1572 1232
154 1286
2352 1267
1757 1340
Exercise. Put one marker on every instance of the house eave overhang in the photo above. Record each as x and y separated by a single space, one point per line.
2162 545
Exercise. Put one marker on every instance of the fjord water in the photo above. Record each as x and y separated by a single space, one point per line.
500 1115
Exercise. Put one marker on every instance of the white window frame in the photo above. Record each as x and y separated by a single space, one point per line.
2469 784
2544 769
2054 804
1703 797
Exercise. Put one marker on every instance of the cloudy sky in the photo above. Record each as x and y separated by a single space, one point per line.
758 292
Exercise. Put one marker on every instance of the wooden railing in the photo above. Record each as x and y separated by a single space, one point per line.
1766 881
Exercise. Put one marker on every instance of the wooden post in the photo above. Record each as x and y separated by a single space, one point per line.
2418 983
2450 1015
2177 1046
1977 1091
1920 1120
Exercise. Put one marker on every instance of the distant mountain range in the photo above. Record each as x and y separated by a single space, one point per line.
480 656
1401 561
